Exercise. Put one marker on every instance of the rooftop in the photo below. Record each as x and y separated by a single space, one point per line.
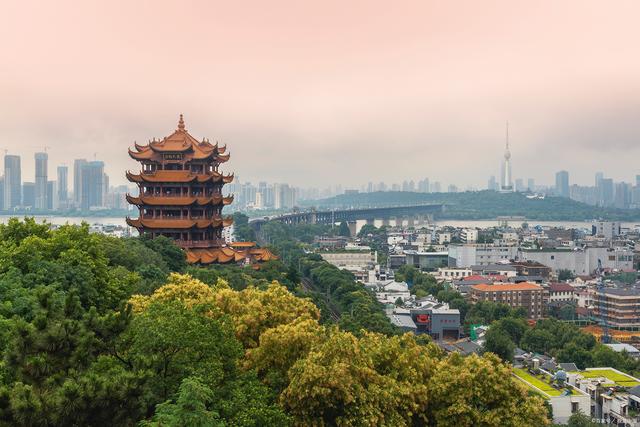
614 376
561 287
499 287
501 267
542 383
622 292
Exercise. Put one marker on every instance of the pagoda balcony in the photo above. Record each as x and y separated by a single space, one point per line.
200 243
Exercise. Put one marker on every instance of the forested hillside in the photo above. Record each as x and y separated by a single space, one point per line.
99 331
483 205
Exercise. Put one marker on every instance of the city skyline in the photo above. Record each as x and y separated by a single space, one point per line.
387 89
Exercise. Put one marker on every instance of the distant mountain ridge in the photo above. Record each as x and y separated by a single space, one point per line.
478 205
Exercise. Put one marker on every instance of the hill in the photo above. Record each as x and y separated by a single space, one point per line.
486 204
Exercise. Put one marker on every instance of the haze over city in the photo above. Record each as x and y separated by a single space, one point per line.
331 94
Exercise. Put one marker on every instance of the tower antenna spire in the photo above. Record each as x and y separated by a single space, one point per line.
507 134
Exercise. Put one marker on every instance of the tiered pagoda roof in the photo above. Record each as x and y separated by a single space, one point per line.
180 176
180 198
233 253
181 224
180 141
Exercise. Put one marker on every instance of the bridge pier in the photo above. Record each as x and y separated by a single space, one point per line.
411 221
353 228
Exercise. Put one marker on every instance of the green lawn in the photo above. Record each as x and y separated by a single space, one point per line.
538 383
619 379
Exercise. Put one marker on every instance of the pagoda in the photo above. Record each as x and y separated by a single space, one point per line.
180 197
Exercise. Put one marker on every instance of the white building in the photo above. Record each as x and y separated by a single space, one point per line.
469 235
607 229
580 261
466 255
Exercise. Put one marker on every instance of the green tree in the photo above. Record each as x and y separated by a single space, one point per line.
479 391
498 342
579 419
189 408
564 275
344 229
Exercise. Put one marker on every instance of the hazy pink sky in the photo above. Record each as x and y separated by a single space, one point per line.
329 92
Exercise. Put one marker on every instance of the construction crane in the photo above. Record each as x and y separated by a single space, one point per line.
602 306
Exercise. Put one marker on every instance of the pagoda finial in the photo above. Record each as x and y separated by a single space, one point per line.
181 123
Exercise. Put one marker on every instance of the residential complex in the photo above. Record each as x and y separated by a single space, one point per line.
526 296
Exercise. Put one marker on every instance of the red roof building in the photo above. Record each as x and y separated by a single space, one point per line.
524 295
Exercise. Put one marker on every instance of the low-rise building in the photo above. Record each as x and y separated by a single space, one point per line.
440 322
453 273
469 235
580 261
506 270
468 254
565 399
561 293
426 261
615 396
528 296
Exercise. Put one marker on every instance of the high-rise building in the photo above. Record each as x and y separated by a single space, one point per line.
63 185
29 195
12 182
492 184
531 184
562 184
42 166
78 164
2 193
506 185
92 185
520 185
52 200
622 198
599 177
605 193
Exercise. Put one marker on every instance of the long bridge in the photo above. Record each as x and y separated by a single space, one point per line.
413 214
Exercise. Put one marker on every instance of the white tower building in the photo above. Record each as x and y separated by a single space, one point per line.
506 186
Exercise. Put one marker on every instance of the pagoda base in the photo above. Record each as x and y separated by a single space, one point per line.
238 252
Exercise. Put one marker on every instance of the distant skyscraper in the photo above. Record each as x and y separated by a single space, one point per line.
562 184
505 184
28 194
605 192
52 200
531 184
436 188
78 164
63 186
492 184
520 185
623 195
637 180
599 177
42 166
12 182
92 185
